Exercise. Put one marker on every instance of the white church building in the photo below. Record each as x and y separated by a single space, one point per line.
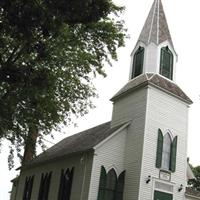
141 154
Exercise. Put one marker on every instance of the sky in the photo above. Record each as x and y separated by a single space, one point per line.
183 20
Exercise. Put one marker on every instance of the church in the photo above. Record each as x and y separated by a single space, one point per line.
141 154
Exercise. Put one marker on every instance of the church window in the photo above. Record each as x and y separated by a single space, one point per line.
166 152
111 183
102 184
28 187
44 186
166 63
138 62
111 187
65 184
120 186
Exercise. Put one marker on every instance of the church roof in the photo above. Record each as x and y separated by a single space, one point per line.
80 142
156 29
155 80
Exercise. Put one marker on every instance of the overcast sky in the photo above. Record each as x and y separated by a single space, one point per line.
183 19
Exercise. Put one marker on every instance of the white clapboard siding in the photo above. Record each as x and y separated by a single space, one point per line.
110 155
132 107
167 113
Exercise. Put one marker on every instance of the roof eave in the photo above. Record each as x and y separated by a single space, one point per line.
192 196
189 101
33 165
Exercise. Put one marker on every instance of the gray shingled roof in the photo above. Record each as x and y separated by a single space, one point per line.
80 142
192 192
156 28
155 80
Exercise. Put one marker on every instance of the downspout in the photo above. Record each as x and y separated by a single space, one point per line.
84 175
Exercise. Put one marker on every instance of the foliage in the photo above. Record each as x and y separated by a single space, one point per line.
49 53
195 183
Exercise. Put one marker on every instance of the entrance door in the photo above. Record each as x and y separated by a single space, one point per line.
162 196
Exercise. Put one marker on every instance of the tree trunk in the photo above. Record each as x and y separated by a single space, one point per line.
30 145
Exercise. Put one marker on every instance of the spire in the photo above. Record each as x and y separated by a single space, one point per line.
156 28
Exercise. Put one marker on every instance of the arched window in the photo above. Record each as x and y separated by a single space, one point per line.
111 183
138 62
102 184
65 184
120 186
111 187
166 153
28 188
166 63
44 186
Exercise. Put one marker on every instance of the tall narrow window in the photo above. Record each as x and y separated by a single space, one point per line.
28 187
111 183
166 63
111 187
65 184
120 187
138 62
102 184
166 154
44 186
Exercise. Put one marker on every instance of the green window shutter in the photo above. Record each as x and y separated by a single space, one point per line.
102 184
138 62
173 155
159 149
120 187
166 63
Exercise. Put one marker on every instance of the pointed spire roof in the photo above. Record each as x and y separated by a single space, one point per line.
156 28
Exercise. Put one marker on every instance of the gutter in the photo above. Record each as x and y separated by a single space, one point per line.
192 196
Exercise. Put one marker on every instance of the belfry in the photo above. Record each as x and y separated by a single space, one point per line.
154 51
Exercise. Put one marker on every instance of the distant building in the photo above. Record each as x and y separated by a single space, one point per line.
141 154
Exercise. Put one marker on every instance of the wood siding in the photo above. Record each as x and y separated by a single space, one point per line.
111 155
82 164
167 113
132 107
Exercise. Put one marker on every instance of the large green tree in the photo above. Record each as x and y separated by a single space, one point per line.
49 53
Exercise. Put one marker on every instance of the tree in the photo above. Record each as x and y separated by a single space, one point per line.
49 53
195 183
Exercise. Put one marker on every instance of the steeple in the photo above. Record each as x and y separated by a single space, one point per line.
154 51
156 28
